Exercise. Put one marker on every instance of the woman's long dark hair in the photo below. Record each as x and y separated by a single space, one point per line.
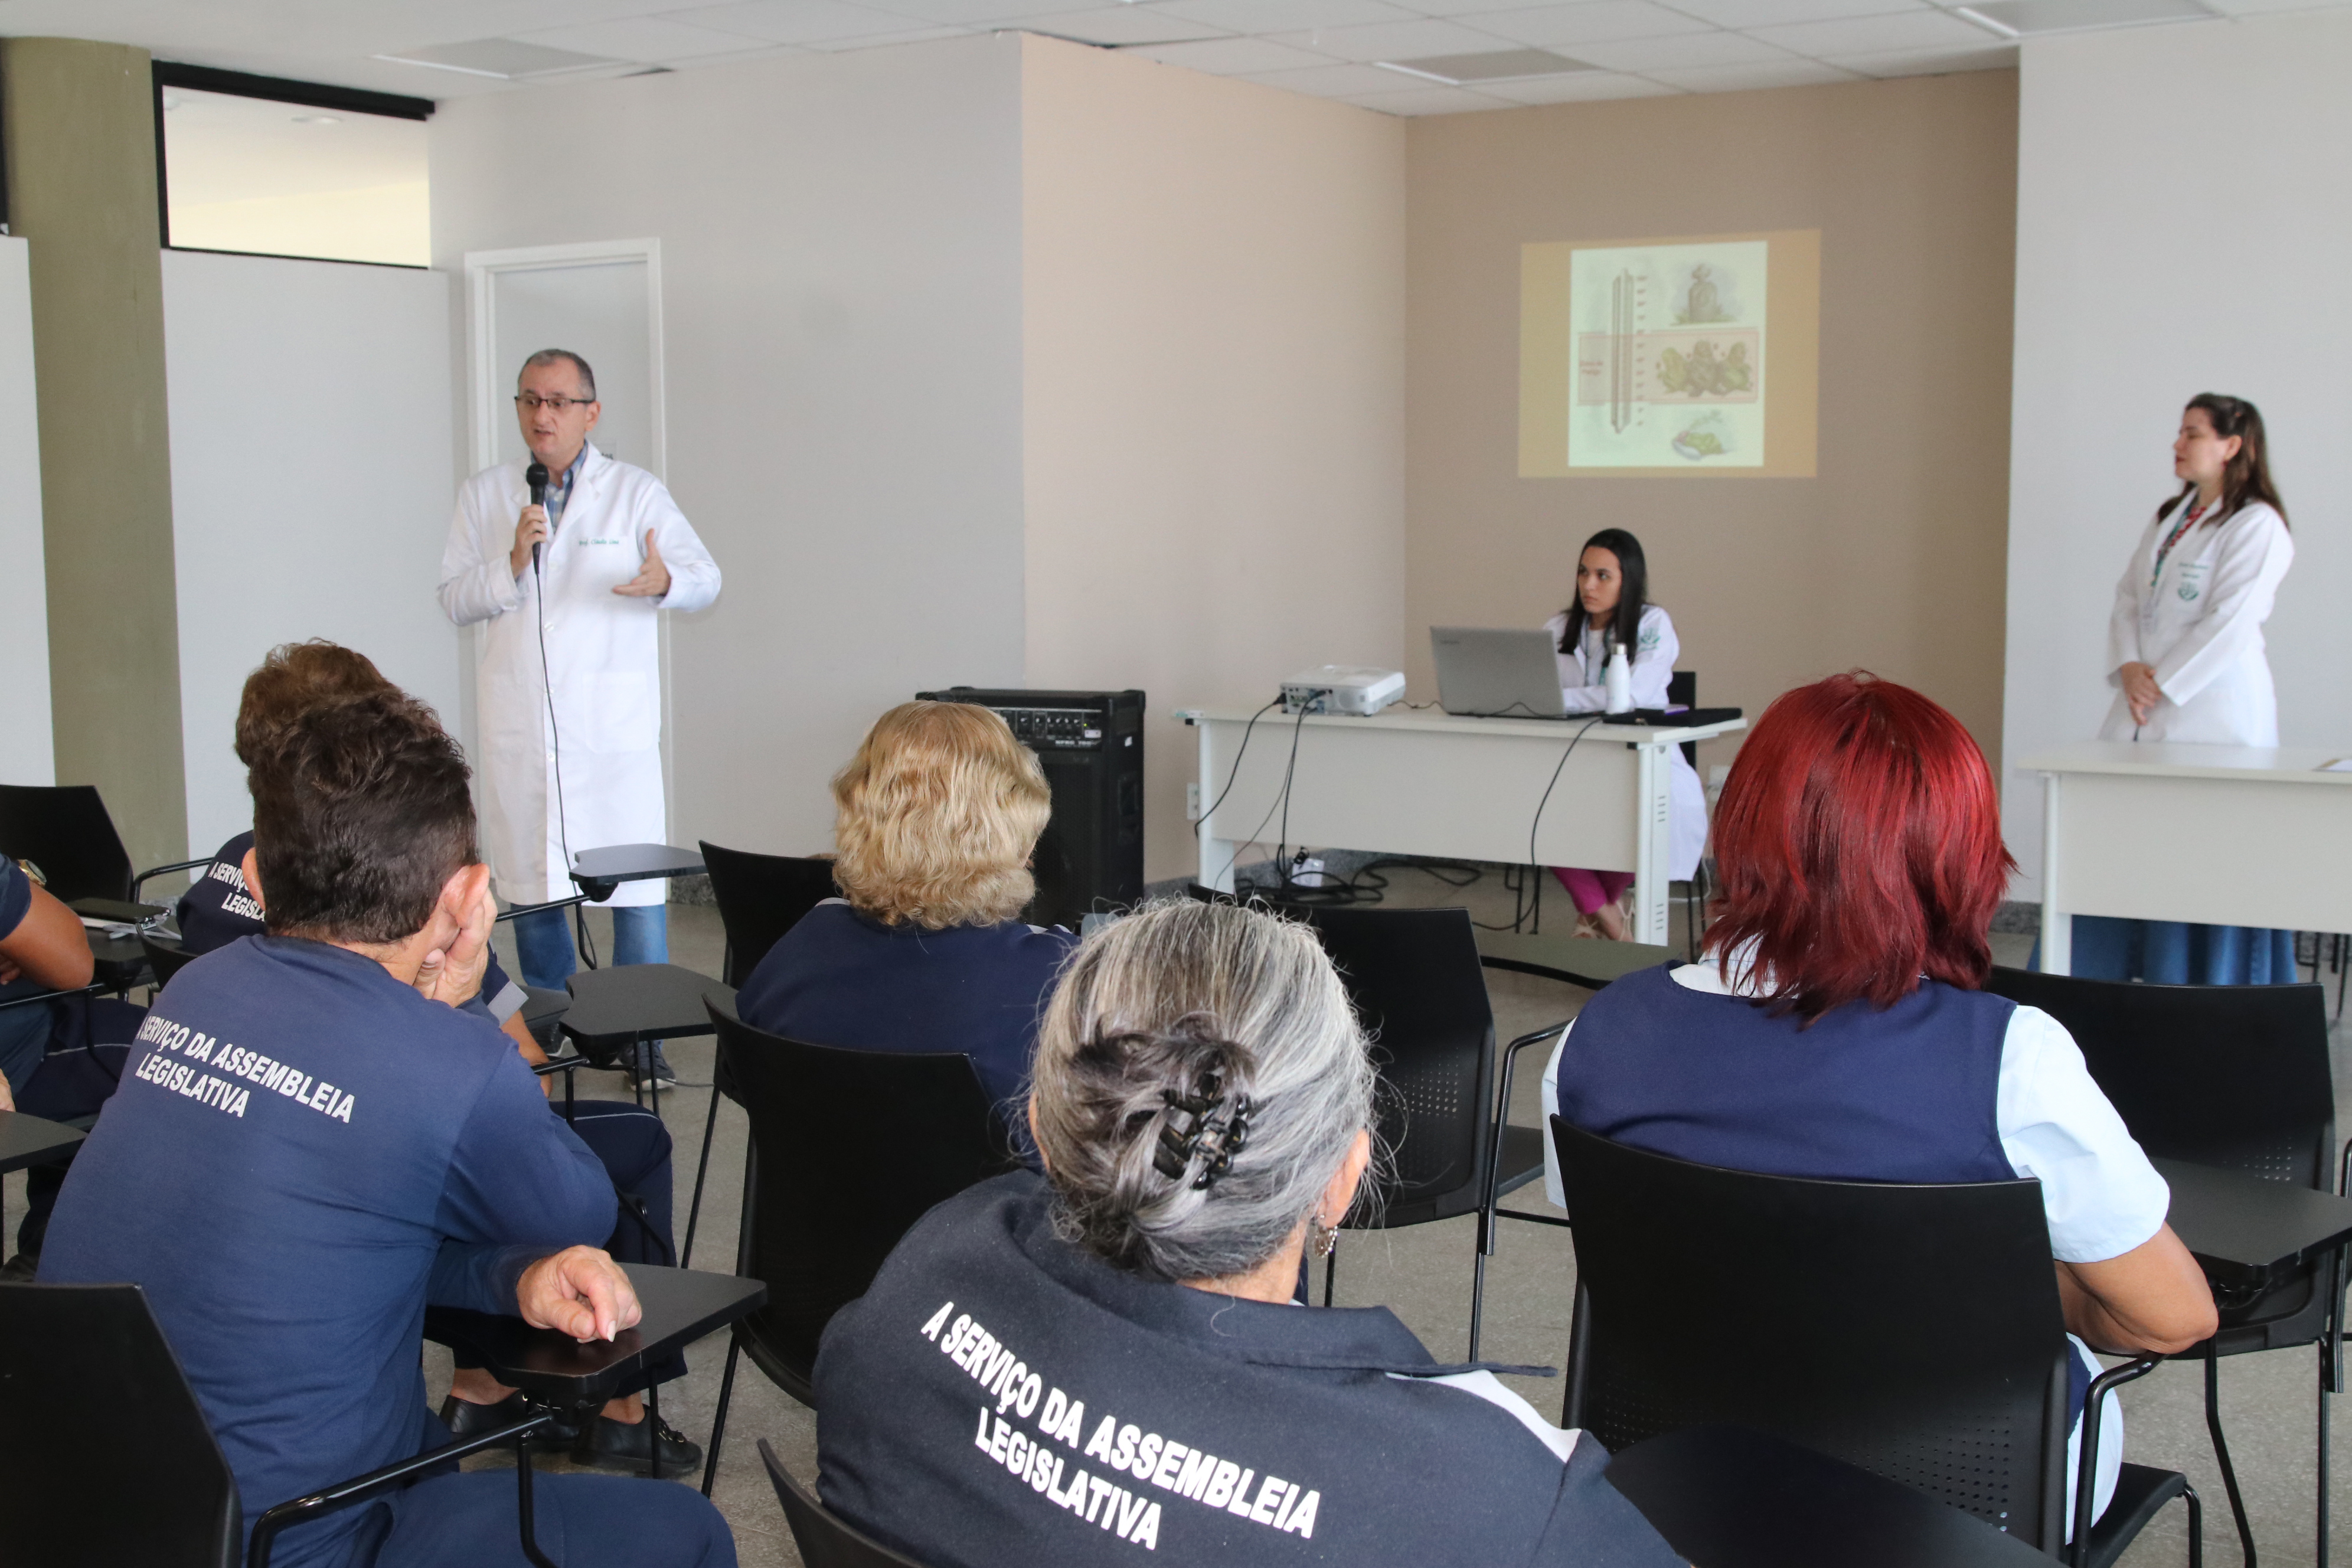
1632 597
2248 477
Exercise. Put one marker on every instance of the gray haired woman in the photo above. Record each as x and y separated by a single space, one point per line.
1112 1350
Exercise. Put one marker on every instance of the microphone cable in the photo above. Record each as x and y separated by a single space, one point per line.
555 743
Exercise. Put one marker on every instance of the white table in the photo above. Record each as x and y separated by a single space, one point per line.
2249 836
1421 781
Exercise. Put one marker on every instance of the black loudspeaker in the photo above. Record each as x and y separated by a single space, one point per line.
1091 746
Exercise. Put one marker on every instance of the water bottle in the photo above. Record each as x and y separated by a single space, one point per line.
1621 681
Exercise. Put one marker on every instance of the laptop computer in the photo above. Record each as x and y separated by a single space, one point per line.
1490 673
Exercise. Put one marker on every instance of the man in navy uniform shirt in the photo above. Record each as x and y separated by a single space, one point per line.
307 1149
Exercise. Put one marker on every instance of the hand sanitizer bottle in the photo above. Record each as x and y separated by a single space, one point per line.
1621 681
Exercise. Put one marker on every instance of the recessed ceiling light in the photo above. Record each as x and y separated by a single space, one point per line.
1493 65
317 120
505 59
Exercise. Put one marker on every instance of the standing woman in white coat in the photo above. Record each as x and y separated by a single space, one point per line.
2185 656
568 676
1612 591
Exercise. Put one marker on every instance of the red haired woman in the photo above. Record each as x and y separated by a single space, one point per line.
1840 1029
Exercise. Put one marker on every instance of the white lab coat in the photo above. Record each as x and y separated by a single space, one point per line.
603 650
2198 624
1584 688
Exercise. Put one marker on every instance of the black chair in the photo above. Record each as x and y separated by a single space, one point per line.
1418 987
66 830
824 1539
761 897
2237 1077
848 1149
94 1394
1913 1331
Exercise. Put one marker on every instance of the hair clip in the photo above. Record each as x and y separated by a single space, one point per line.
1204 1132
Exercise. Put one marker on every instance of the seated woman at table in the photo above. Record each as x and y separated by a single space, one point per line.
221 908
1612 607
1842 1032
936 818
1125 1325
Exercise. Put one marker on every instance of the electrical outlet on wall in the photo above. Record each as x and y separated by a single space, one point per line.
1193 802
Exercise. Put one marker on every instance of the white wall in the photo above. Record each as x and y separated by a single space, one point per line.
27 755
310 462
841 259
2181 228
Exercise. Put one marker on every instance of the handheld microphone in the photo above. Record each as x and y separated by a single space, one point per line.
536 478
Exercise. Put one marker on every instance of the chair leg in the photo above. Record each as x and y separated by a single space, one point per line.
718 1422
523 1511
701 1169
1478 1296
653 1432
2320 1537
2221 1452
2196 1526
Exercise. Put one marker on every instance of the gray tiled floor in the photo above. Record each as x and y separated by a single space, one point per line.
1423 1274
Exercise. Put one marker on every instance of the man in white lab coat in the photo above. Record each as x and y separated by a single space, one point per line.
568 680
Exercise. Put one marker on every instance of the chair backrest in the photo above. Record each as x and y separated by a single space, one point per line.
164 956
1421 992
96 1404
848 1150
66 831
1911 1330
761 897
825 1539
2235 1075
1681 691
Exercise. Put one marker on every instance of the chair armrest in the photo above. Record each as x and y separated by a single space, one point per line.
561 1064
2086 1470
360 1488
1503 1101
140 880
550 904
52 997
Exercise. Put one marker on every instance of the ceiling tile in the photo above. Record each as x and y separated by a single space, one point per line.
646 38
1689 52
1261 17
1874 34
1585 87
1395 40
1593 22
1931 62
1430 100
1122 24
886 40
1785 72
1234 57
1779 13
796 21
982 13
1334 81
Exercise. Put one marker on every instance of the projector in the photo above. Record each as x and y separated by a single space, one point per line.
1357 688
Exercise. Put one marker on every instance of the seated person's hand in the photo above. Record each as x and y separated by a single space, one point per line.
9 973
454 974
578 1292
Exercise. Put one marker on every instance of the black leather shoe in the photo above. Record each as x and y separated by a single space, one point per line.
620 1446
467 1419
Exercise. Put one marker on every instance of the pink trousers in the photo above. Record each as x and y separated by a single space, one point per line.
1590 890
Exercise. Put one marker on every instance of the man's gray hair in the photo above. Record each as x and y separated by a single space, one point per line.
1214 1003
562 356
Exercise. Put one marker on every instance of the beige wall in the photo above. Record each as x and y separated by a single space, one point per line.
1892 558
1213 430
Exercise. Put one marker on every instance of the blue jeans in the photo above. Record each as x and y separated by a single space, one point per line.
543 942
2175 952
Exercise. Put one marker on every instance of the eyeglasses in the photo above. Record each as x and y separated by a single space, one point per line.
533 402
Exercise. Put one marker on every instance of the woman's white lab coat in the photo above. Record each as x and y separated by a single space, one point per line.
603 650
1584 688
2197 623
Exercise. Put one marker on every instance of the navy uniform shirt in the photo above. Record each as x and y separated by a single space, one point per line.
1002 1399
24 1031
16 896
303 1151
218 907
841 978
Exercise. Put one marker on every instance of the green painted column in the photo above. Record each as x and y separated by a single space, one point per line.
77 123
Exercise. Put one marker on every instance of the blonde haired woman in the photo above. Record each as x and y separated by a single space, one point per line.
936 818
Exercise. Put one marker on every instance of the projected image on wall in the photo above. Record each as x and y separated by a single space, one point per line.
1669 351
1670 356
